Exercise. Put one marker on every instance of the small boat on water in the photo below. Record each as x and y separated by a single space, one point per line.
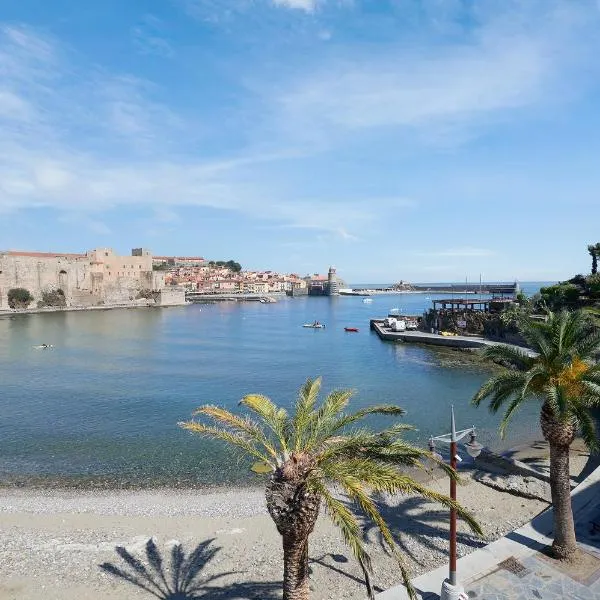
367 300
43 346
315 325
351 329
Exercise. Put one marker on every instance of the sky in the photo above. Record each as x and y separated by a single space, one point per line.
431 140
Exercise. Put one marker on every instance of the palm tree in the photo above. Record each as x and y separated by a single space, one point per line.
594 251
310 457
565 379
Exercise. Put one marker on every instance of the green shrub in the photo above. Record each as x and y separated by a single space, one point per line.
592 284
19 298
560 295
53 298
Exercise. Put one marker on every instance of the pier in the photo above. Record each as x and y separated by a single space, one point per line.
422 337
435 339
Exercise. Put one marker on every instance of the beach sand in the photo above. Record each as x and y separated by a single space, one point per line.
52 542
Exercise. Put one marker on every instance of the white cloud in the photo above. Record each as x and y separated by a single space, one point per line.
88 141
512 61
464 252
346 236
149 37
306 5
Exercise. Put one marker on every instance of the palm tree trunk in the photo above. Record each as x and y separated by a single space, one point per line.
295 568
565 543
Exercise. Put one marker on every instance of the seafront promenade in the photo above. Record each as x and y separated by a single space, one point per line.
517 566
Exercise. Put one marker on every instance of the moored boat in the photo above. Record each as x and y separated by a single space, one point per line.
315 325
351 329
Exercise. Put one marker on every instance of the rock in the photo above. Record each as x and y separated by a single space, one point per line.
526 487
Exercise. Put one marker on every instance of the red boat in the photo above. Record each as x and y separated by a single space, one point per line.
352 329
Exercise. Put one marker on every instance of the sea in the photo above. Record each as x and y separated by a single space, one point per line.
101 407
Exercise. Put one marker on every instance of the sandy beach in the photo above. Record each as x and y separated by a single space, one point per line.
52 542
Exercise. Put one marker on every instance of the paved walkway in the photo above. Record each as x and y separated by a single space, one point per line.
515 567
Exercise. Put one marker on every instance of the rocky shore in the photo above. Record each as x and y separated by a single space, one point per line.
53 541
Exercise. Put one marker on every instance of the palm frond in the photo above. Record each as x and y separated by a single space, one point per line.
538 336
587 426
307 399
318 427
244 425
589 345
500 388
350 419
510 354
275 418
354 489
342 518
235 440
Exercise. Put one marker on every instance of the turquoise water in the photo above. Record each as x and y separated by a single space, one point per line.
103 404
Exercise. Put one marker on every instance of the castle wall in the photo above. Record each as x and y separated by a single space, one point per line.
95 278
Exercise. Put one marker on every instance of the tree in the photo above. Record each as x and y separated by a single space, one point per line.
561 295
233 266
564 377
310 452
593 250
19 298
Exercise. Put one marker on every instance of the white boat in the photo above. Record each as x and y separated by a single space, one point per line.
367 300
314 325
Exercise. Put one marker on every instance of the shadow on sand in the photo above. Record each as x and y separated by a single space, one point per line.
183 577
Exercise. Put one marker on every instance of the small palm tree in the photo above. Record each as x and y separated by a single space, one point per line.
310 455
565 379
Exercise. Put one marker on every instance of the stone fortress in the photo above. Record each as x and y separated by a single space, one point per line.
97 278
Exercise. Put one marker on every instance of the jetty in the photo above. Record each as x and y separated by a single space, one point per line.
436 339
422 337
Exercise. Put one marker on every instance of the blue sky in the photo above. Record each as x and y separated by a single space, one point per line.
397 139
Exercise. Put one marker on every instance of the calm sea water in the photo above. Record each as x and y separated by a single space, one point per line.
103 404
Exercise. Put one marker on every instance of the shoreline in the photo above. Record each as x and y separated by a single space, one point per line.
53 541
57 309
56 482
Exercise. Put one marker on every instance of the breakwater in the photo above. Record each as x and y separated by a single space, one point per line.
509 289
